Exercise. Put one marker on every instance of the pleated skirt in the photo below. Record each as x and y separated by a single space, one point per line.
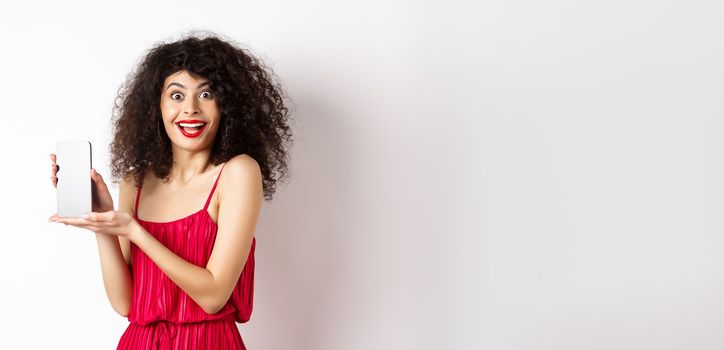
162 335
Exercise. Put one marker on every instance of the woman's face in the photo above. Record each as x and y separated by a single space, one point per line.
189 111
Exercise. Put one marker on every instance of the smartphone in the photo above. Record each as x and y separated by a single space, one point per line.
74 181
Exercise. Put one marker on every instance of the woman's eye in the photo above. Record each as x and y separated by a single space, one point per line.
176 94
206 94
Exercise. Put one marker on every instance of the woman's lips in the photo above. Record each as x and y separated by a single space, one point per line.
192 128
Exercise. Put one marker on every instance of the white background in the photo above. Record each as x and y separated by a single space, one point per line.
507 175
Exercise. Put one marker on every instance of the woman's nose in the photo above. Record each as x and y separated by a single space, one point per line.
191 107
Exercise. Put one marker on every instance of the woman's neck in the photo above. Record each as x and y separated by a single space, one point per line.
188 165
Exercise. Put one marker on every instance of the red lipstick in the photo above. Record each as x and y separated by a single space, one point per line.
191 128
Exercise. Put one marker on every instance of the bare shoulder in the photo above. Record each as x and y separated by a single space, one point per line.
242 165
126 182
241 173
126 194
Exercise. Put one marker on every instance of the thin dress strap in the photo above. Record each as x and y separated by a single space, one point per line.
138 196
208 200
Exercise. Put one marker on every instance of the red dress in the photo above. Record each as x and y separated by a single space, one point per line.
162 315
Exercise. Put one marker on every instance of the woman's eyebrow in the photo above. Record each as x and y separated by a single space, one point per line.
183 87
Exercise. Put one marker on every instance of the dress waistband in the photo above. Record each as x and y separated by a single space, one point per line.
165 331
152 323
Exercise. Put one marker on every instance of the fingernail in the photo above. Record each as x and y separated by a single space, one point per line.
85 216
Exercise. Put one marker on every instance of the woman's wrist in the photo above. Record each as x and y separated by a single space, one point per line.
135 232
102 209
104 237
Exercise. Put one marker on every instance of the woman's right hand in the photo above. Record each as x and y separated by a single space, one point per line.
102 200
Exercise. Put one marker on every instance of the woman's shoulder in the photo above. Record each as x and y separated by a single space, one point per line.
242 164
129 180
127 193
127 183
240 171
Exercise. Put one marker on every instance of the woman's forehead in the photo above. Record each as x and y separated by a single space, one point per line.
185 80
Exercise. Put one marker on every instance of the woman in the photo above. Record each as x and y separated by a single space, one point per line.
200 127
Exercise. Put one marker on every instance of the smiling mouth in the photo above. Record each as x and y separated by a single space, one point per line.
191 128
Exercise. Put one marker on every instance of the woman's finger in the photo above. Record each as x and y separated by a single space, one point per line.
54 171
98 179
53 175
80 223
107 216
72 221
102 223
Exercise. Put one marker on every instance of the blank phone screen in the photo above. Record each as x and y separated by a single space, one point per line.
74 181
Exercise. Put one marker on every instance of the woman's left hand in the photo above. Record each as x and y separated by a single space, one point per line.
117 223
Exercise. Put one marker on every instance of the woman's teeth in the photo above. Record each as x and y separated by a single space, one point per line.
187 125
191 127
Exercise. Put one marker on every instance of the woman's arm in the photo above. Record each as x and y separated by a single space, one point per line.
115 258
116 275
241 193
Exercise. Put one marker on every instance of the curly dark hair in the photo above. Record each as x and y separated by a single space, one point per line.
254 115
